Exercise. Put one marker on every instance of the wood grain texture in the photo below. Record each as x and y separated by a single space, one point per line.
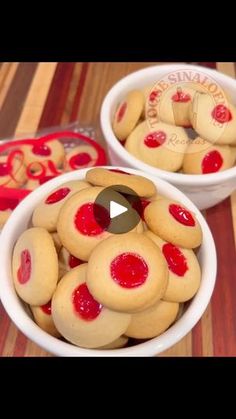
57 95
233 206
35 100
15 99
7 73
34 96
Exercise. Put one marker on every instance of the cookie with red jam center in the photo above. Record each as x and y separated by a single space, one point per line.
35 266
174 105
80 318
173 222
47 212
77 226
128 114
161 145
203 157
127 273
215 122
184 270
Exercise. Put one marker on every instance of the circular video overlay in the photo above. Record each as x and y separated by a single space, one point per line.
187 99
116 209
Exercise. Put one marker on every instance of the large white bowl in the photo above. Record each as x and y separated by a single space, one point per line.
204 190
18 222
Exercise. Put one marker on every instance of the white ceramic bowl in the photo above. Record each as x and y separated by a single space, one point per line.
204 190
18 222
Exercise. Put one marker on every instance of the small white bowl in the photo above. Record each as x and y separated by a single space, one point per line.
204 190
18 222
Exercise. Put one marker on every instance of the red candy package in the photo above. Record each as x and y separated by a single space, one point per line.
27 163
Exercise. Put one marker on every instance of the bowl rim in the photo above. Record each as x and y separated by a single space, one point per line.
15 308
178 178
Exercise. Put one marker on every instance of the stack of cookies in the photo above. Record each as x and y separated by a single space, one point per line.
97 289
156 126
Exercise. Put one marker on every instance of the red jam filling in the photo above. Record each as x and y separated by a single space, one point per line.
180 96
24 271
84 303
129 270
73 261
176 261
86 223
121 112
221 114
181 215
4 169
140 206
46 308
57 196
41 150
155 139
8 203
212 162
80 159
153 95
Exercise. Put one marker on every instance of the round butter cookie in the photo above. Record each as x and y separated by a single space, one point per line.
118 343
110 177
80 318
174 223
153 321
35 266
127 114
202 157
127 274
161 146
213 122
47 212
77 227
43 317
184 270
174 105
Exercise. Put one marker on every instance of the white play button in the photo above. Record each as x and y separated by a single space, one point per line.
116 209
119 216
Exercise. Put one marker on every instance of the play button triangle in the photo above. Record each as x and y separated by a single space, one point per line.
116 209
119 203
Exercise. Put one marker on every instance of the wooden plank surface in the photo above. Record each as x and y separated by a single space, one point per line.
37 95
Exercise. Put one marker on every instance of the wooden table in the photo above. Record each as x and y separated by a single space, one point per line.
37 95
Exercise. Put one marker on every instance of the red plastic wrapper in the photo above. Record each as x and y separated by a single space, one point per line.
28 162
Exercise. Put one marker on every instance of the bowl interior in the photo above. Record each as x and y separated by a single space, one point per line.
19 221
